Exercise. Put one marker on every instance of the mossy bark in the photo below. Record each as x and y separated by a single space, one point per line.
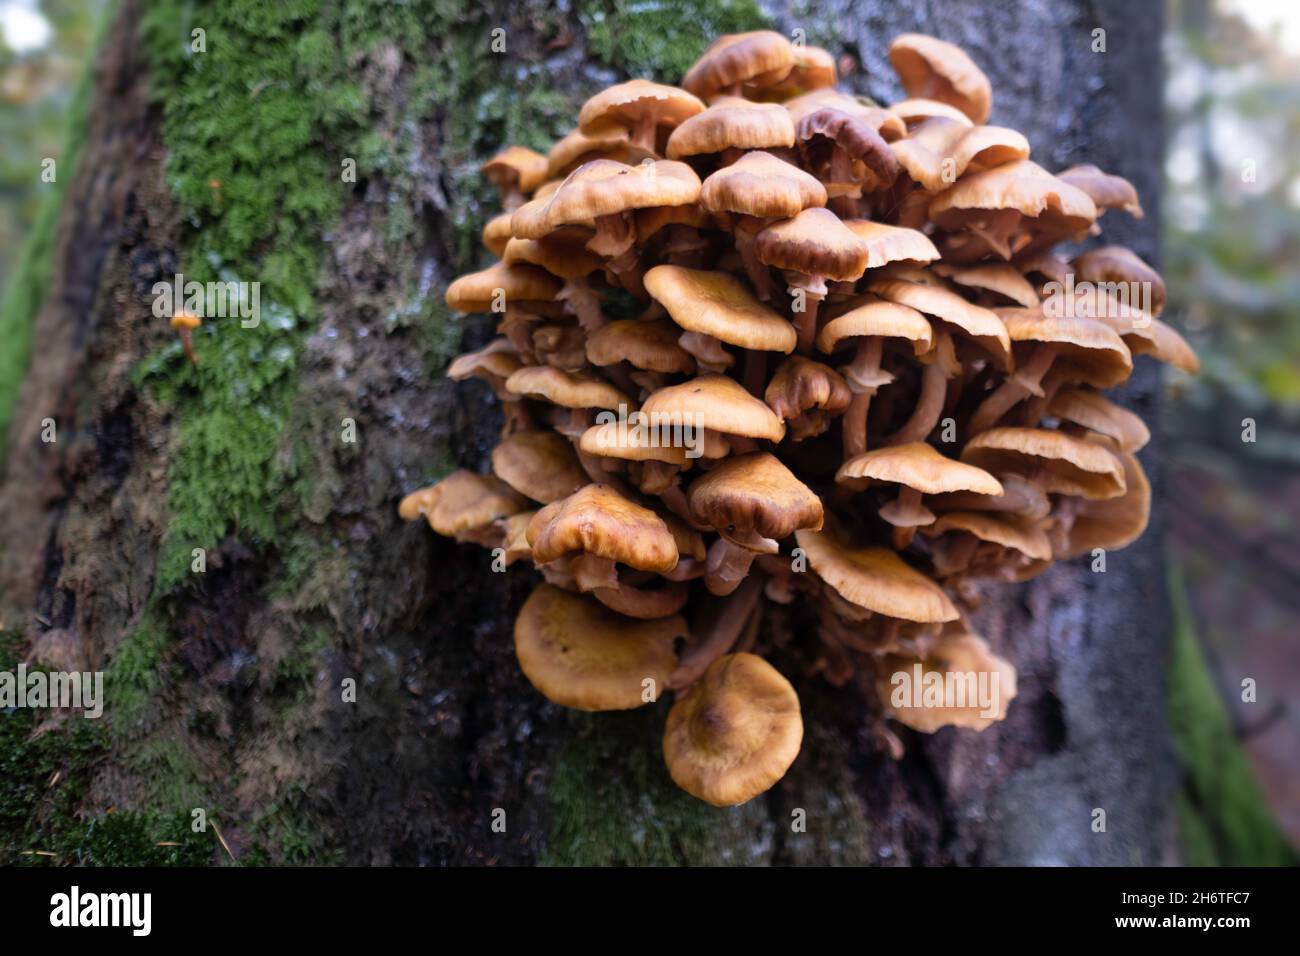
225 685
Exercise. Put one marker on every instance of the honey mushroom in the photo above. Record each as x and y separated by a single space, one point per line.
685 449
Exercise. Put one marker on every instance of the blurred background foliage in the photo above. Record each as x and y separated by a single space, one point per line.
1231 253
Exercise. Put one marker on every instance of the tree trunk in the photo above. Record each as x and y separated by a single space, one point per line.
225 685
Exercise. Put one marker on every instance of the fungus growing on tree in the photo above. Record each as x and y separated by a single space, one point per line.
835 513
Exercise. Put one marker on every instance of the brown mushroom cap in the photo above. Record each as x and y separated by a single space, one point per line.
604 187
538 464
1115 523
1086 350
814 69
495 362
823 130
979 323
720 305
963 655
931 68
609 440
754 494
876 317
1070 466
1023 186
885 122
887 244
816 243
758 184
736 58
732 123
1118 264
515 537
649 344
577 148
718 404
916 110
1105 190
917 465
1092 410
480 291
938 151
496 233
997 277
598 521
876 579
734 732
463 501
1166 345
567 389
185 320
799 384
621 106
562 252
582 655
516 166
1017 532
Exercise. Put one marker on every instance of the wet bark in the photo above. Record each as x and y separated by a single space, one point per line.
445 730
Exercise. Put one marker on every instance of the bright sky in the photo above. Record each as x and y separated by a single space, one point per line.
23 25
1281 18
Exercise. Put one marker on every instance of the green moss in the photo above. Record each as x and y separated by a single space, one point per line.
660 40
1223 816
634 817
43 781
26 290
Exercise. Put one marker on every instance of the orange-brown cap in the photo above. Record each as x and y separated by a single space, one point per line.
734 732
737 58
620 440
580 654
1091 409
998 277
805 394
496 233
720 305
538 464
981 324
732 123
718 404
185 320
814 69
916 110
937 70
876 317
1067 465
649 344
1166 345
754 494
516 166
494 363
887 244
598 521
876 579
958 654
917 465
577 148
1118 264
1105 190
566 389
1086 350
462 502
938 151
1115 523
621 106
562 252
1022 186
759 184
604 187
1016 532
483 291
815 243
889 125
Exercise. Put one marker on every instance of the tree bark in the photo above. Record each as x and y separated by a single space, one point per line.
250 656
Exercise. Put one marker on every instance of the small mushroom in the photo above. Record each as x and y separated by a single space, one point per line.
464 506
806 395
735 59
934 69
639 107
185 323
960 660
734 733
729 126
539 465
580 654
1059 463
515 171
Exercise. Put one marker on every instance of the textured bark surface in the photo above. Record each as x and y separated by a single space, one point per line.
445 729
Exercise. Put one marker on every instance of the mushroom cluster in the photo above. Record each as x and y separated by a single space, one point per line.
769 352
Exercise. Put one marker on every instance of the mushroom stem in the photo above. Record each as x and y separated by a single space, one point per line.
709 354
723 631
854 425
644 604
864 377
1025 382
688 569
583 303
187 343
760 276
592 573
728 564
615 235
674 500
805 319
643 132
929 405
